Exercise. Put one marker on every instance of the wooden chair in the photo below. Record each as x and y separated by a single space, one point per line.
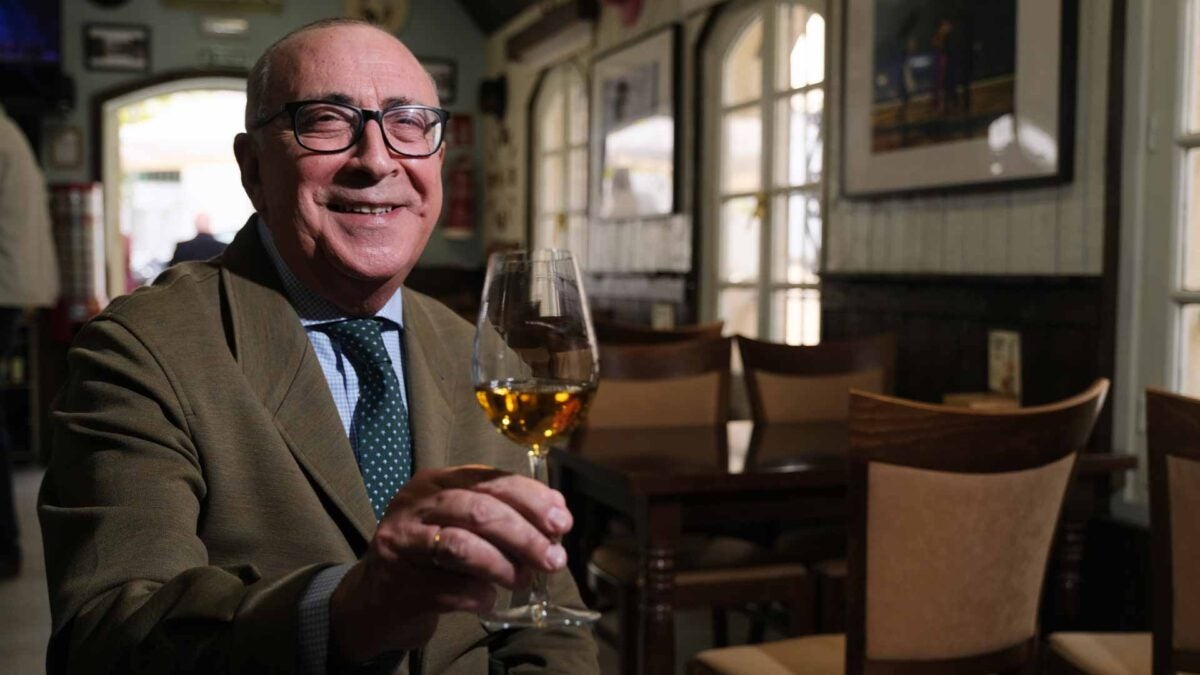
670 385
952 515
664 385
1173 434
788 383
617 332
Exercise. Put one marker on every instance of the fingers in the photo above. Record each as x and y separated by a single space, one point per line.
496 523
466 554
539 504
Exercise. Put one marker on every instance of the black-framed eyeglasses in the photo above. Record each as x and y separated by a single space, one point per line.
328 127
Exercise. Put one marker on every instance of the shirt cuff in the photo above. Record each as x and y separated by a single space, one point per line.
314 619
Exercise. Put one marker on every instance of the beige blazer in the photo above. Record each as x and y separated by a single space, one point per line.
201 476
28 264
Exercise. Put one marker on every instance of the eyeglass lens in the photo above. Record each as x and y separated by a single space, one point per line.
328 127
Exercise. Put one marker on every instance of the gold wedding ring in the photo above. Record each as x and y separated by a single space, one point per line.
436 547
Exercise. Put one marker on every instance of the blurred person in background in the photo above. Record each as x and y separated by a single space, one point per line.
28 279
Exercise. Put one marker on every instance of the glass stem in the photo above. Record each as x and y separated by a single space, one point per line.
539 597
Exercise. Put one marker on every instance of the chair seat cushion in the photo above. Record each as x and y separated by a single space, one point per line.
811 655
1105 653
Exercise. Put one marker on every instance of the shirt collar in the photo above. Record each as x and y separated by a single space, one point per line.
310 306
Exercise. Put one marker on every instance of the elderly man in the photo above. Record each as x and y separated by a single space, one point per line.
223 495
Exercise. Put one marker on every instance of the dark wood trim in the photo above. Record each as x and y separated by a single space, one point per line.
1106 345
856 569
106 95
551 23
896 431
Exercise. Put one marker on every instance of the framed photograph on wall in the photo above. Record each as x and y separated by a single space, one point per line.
445 75
945 95
120 47
635 129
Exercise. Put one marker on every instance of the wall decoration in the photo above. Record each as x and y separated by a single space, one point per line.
111 46
64 146
944 95
635 146
445 75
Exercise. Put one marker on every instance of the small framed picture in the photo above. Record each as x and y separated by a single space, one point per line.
445 76
65 147
118 47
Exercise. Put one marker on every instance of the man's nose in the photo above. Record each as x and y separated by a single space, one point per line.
373 153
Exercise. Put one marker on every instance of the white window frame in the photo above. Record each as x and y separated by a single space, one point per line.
552 78
1150 296
729 28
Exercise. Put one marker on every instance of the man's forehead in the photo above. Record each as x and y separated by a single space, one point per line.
347 62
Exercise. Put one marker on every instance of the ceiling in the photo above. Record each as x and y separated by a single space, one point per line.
490 15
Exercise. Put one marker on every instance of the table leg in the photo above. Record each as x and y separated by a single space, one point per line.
658 537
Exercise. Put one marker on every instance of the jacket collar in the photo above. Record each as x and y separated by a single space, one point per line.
278 361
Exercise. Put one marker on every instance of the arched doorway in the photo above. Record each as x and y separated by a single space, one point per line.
167 166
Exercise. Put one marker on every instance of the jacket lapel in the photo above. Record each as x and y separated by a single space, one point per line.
426 368
280 365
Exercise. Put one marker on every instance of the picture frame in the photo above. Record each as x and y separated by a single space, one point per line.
64 147
445 75
635 129
944 96
116 47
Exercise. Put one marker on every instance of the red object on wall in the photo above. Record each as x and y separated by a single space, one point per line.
459 222
627 10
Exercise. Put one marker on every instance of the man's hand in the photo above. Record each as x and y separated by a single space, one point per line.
448 538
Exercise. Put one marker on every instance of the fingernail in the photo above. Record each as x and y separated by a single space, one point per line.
556 556
558 518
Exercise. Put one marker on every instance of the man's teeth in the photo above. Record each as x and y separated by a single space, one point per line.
370 210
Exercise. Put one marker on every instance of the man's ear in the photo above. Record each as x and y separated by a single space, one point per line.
246 152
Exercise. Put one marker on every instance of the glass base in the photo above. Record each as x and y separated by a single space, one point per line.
538 616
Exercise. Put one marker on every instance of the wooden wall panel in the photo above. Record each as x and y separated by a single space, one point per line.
941 323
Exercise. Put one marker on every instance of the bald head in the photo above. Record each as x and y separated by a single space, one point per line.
260 83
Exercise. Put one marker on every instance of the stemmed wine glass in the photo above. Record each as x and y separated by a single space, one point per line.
535 370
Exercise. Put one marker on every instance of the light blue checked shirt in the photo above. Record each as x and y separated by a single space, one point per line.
314 311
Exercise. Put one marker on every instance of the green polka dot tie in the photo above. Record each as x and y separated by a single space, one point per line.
382 441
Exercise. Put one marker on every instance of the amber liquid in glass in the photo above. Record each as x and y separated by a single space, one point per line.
534 412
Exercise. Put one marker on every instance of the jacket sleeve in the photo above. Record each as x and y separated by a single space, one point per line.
130 583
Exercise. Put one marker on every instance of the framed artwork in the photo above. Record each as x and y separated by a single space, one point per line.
635 129
945 95
119 47
445 75
65 147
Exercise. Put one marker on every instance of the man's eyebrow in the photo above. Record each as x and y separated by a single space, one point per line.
333 97
338 97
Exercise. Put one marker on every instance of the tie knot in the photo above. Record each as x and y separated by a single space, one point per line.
361 340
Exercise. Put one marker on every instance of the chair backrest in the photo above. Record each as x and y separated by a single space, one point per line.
1173 435
788 383
616 332
662 385
952 514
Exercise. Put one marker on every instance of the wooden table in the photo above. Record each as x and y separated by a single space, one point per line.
671 479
